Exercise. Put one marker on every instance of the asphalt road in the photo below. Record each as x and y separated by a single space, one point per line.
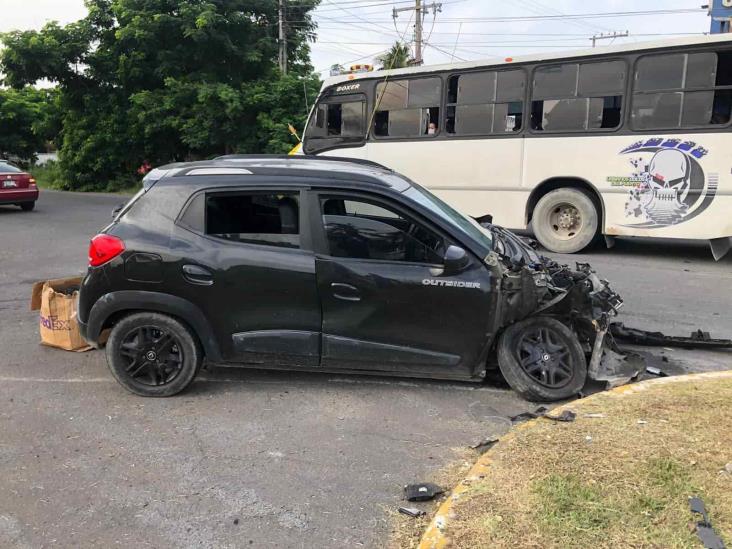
247 458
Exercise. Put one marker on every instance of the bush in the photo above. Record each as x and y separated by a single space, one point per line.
51 176
48 175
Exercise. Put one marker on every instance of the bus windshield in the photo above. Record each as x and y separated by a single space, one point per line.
466 224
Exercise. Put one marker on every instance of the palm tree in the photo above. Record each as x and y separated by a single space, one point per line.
399 56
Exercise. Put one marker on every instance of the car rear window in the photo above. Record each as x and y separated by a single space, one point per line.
5 167
269 218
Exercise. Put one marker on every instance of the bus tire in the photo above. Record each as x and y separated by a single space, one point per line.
565 220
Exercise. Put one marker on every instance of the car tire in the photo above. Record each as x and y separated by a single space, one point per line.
27 206
153 354
542 359
565 220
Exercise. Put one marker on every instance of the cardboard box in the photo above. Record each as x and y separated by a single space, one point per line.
56 299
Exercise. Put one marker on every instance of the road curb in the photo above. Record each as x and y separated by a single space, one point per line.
435 537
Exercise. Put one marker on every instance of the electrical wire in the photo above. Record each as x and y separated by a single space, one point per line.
512 19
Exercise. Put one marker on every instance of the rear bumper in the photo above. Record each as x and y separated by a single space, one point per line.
16 196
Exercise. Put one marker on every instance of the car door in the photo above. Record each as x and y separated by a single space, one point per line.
248 265
388 303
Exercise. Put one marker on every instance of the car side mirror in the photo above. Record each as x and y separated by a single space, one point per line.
456 259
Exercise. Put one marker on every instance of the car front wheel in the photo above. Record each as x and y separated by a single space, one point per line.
152 354
542 359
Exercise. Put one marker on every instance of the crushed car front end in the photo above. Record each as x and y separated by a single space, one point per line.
537 287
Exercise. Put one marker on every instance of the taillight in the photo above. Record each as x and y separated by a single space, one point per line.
32 181
103 248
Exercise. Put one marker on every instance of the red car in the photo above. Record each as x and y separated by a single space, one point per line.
17 187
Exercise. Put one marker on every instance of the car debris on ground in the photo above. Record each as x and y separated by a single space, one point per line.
697 340
485 444
525 416
709 538
567 416
412 512
422 491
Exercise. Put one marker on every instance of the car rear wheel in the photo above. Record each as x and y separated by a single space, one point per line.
27 206
152 354
565 220
542 360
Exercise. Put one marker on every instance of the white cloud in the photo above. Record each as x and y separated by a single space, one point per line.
33 14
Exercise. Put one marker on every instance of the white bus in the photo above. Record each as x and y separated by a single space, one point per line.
632 140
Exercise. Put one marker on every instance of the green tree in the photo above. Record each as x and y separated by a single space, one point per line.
163 80
28 120
398 57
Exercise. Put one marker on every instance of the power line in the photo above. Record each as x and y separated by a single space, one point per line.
511 19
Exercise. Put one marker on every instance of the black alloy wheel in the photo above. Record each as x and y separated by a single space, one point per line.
542 359
152 354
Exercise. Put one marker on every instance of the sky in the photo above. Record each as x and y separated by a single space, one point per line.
356 31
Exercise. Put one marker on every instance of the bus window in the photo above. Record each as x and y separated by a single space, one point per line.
408 108
682 90
485 103
578 96
339 119
335 123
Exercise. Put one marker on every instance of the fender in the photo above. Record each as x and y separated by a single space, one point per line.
115 302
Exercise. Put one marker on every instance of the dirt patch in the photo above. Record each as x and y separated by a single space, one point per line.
619 479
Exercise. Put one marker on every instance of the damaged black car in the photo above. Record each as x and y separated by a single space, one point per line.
318 264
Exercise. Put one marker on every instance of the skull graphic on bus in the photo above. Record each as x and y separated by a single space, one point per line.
668 182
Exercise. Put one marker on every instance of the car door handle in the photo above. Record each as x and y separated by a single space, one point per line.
197 275
346 292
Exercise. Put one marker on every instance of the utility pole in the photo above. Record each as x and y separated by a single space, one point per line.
418 33
610 35
282 38
420 12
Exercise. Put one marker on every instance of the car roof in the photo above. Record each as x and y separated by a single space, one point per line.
242 165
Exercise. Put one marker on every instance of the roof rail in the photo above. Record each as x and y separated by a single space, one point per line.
301 157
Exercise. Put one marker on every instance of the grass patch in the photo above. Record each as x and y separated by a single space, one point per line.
567 502
619 481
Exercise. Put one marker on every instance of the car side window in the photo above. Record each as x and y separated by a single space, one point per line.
271 218
363 229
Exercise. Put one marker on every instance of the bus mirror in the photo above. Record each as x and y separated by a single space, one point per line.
456 259
293 131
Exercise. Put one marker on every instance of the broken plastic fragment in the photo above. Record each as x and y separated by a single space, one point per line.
422 492
656 371
566 416
704 530
525 416
485 444
411 512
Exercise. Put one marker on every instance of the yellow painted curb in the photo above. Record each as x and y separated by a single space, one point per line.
434 536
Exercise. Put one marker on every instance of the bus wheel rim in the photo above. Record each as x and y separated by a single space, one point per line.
565 221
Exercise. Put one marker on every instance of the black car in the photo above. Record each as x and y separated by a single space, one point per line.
305 263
